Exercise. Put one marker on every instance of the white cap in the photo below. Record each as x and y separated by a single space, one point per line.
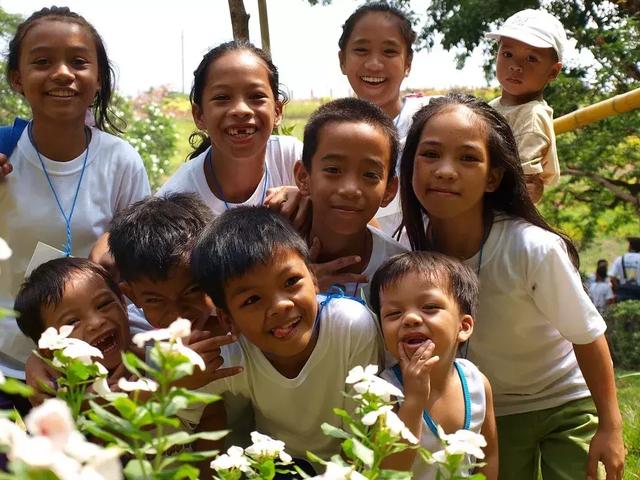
533 27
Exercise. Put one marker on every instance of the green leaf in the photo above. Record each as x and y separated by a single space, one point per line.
314 458
116 423
267 469
138 470
196 397
184 438
196 456
16 387
183 472
394 475
108 437
363 453
334 432
125 406
134 364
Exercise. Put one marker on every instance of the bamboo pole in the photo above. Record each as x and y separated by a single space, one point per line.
611 107
264 26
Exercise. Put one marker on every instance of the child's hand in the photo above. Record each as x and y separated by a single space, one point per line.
39 376
606 446
535 187
416 371
289 202
328 273
5 167
208 347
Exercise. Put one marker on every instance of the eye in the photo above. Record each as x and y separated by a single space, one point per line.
192 290
105 303
430 307
220 98
373 175
259 96
391 314
470 158
153 300
71 321
390 52
250 301
429 154
532 59
40 61
331 170
506 54
360 50
291 281
79 62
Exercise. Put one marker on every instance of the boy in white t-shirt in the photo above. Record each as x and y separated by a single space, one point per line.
348 172
426 303
295 348
531 47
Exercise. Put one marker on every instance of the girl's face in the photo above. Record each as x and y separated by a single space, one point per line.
375 60
58 70
239 109
452 169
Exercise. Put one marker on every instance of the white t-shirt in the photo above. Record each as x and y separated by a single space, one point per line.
532 308
600 293
631 266
281 155
390 217
477 409
293 409
382 248
114 177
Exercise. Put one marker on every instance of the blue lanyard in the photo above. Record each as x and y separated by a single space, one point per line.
433 426
68 246
209 158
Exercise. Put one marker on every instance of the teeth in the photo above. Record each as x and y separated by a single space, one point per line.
62 93
244 132
373 79
284 330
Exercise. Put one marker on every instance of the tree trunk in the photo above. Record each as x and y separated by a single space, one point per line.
239 20
264 26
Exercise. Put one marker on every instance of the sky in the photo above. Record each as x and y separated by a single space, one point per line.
143 40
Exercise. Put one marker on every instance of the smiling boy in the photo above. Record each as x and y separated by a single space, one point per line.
530 54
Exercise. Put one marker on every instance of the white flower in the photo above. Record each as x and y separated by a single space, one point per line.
266 447
465 442
39 452
143 384
101 387
2 379
335 471
439 457
51 419
180 328
52 340
81 350
5 251
10 432
179 347
98 463
233 459
358 374
390 421
378 387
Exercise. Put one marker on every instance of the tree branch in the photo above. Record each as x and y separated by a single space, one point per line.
622 190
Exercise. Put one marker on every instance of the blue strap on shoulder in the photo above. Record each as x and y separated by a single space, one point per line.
10 135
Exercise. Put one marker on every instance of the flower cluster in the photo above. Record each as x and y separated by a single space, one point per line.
259 460
53 444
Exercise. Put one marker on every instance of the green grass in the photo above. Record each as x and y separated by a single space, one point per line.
608 248
184 127
629 399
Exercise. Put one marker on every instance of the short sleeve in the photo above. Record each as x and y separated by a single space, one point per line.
557 291
537 150
134 185
616 268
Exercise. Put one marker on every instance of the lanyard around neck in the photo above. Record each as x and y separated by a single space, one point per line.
433 426
209 158
68 246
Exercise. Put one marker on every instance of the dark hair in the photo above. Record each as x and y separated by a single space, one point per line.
237 241
448 273
45 286
406 29
106 119
601 272
153 235
634 244
510 198
201 141
349 110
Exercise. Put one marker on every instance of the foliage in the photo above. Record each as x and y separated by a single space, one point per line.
628 384
11 104
623 332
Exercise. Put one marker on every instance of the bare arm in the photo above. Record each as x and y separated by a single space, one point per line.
606 446
490 433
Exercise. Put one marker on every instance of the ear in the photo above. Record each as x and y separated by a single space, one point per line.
303 179
341 59
16 82
129 293
466 328
555 71
390 192
198 119
279 110
407 66
226 321
493 180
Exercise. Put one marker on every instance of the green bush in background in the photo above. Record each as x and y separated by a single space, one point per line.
623 333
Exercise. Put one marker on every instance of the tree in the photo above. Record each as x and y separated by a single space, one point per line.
239 20
11 104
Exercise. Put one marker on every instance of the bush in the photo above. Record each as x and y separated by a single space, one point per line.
623 333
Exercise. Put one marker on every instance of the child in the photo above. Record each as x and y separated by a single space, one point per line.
68 179
376 50
531 44
295 348
235 99
538 337
348 172
426 303
600 290
77 292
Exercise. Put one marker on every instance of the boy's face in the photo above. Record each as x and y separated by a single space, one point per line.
523 70
164 301
274 306
414 310
349 178
97 314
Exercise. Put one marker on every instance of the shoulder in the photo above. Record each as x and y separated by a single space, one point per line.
286 145
382 241
117 146
182 179
523 236
345 314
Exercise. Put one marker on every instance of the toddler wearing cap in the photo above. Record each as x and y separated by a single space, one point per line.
531 44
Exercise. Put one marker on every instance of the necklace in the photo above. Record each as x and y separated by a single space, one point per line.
209 158
68 246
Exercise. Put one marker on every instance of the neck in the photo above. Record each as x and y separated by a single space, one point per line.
393 108
335 245
441 375
290 367
461 237
59 141
238 178
514 100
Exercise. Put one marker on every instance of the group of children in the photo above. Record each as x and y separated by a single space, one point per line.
489 287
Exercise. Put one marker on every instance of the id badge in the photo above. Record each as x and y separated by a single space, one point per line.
42 254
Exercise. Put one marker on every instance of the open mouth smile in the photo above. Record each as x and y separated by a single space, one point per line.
286 330
62 93
373 80
107 342
241 132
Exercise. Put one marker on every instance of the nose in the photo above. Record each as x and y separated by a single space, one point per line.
411 319
94 322
515 67
445 170
373 62
350 187
62 73
240 108
280 305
